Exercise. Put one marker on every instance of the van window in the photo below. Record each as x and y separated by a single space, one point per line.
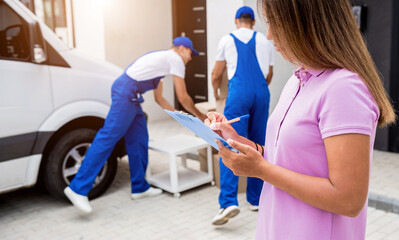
13 35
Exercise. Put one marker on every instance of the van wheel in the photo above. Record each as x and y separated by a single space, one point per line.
65 159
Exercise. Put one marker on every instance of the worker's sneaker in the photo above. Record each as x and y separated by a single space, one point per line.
79 201
253 207
149 193
225 214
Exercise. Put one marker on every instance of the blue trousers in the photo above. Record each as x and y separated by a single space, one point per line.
248 93
254 129
125 119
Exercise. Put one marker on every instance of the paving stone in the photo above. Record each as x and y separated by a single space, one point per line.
29 214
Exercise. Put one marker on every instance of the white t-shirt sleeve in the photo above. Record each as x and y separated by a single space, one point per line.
177 67
220 54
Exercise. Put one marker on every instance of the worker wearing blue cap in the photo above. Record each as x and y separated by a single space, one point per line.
249 58
126 120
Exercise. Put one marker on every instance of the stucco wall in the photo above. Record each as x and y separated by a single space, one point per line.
133 28
89 26
225 24
119 31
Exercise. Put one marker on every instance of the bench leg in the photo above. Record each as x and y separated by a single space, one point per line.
148 171
184 160
210 163
173 173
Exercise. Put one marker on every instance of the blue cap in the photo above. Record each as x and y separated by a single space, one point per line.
245 10
185 42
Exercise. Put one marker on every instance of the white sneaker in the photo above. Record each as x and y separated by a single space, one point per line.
79 201
253 207
225 214
149 193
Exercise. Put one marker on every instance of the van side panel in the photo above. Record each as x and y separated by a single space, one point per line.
16 146
70 84
25 97
11 176
73 111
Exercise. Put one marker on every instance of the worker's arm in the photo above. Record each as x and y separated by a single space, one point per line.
269 75
185 99
160 99
217 74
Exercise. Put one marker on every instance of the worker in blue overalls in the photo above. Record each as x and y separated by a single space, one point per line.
249 58
126 119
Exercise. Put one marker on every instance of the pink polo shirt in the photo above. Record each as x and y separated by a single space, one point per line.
313 105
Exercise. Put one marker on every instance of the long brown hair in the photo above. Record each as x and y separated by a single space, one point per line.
323 34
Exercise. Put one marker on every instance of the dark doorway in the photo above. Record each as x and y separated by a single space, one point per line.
382 37
189 19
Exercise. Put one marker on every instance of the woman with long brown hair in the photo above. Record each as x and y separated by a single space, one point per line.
320 137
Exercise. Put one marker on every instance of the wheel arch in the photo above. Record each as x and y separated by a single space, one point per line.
80 114
90 122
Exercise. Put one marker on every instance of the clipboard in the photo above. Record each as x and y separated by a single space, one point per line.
199 128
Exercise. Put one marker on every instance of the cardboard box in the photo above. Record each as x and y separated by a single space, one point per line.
242 181
202 157
206 107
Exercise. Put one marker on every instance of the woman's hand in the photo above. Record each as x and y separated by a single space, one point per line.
248 162
216 122
214 117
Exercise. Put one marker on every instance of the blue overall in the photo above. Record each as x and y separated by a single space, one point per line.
125 119
248 93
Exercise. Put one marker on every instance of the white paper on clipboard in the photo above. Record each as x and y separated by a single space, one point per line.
199 128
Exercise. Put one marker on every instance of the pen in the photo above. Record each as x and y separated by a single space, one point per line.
212 126
238 118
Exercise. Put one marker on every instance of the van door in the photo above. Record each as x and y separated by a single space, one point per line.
25 96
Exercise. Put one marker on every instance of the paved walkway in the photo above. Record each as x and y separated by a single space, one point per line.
29 214
384 185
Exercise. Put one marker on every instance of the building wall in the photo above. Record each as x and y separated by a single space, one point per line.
119 31
219 23
89 26
282 68
133 28
225 24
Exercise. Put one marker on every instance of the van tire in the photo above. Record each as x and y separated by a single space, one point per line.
55 180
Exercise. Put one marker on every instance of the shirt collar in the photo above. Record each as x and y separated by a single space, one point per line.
304 75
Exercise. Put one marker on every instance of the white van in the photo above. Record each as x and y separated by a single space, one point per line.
52 102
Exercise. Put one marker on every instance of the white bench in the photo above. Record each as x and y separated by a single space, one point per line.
180 178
